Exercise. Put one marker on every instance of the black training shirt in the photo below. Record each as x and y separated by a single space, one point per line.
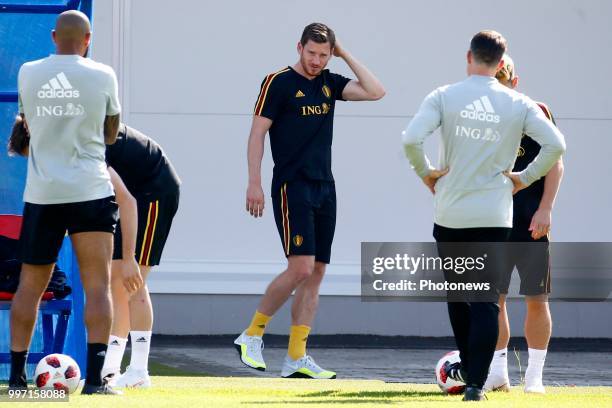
302 112
141 163
527 201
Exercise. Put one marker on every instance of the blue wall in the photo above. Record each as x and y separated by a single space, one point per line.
25 35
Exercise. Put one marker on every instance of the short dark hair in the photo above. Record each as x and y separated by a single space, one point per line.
488 47
319 33
20 138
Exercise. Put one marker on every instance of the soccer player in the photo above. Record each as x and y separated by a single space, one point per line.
71 108
151 179
296 105
531 223
481 125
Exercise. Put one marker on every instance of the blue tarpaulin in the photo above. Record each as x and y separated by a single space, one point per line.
25 35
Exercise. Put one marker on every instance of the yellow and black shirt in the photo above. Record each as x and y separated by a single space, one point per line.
527 201
302 112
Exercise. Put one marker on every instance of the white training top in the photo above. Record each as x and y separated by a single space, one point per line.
65 99
481 123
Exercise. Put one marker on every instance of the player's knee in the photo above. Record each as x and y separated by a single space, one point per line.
301 271
537 304
317 274
98 295
319 269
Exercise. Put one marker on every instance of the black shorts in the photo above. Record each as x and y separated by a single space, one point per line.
488 243
532 261
45 225
155 215
305 214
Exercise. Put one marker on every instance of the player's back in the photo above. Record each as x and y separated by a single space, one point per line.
481 125
65 99
141 163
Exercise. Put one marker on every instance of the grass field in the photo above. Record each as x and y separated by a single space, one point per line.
219 392
177 388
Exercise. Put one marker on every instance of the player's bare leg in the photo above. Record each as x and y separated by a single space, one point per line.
538 323
140 327
504 325
306 299
498 379
305 304
299 269
94 252
33 281
249 344
141 309
121 324
538 328
121 303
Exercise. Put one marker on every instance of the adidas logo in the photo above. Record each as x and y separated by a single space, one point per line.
101 354
299 94
141 340
58 87
114 343
481 109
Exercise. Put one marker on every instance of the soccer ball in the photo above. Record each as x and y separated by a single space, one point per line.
446 384
57 372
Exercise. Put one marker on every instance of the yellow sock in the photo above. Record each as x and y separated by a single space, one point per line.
297 341
258 324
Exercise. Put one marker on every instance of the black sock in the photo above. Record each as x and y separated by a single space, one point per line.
96 352
18 365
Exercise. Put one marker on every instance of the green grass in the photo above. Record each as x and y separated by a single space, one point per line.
220 392
163 370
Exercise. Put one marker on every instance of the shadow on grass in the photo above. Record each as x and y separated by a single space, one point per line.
324 401
159 369
373 394
359 397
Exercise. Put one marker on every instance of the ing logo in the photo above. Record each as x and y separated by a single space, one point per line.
308 110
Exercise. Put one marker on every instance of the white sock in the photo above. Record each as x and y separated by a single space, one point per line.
535 366
499 364
114 354
141 344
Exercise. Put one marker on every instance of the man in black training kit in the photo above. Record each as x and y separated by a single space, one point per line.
530 253
71 108
151 179
296 105
481 124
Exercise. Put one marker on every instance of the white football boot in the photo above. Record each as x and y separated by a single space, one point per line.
249 348
132 378
305 367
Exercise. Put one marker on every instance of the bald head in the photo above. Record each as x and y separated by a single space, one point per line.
72 32
72 25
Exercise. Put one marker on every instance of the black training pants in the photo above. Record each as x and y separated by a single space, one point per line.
474 319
